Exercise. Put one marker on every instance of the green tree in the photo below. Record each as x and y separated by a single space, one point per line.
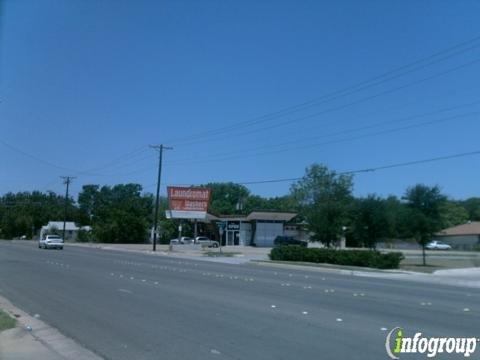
370 221
424 216
395 212
118 214
472 205
453 214
324 198
87 201
227 198
279 203
24 213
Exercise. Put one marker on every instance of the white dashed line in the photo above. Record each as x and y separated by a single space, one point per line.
125 291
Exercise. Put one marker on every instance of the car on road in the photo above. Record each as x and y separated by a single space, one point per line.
51 242
288 240
205 241
437 245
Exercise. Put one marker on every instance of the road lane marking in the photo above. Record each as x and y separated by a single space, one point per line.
125 291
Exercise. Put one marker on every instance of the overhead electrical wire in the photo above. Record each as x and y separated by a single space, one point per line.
374 81
336 94
242 154
388 131
372 169
351 172
340 132
355 102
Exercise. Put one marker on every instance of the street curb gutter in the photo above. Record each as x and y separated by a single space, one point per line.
48 336
332 268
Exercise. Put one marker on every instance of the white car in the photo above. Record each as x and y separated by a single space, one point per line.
183 240
205 241
437 245
51 241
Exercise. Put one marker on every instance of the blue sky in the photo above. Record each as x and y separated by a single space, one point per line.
87 85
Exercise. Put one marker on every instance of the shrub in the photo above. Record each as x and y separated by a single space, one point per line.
84 236
367 258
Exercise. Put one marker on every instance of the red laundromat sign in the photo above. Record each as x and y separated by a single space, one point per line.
188 198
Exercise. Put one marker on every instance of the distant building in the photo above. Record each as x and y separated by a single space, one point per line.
461 237
71 230
259 228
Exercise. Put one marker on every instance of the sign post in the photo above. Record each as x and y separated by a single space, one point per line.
221 227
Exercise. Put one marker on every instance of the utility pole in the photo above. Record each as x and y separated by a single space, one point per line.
160 149
66 181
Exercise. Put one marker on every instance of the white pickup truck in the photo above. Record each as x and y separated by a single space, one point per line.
51 241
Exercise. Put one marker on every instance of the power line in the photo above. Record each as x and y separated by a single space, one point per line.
46 162
352 103
241 153
340 93
340 132
365 170
330 142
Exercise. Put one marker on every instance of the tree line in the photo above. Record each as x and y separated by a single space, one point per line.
323 199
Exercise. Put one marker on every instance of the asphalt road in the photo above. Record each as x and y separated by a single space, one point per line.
136 306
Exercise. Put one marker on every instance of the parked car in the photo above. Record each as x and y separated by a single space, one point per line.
288 240
51 241
183 240
437 245
205 241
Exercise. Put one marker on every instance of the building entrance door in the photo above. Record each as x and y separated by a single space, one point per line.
233 237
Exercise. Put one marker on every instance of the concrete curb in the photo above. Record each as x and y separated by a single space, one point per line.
441 278
48 339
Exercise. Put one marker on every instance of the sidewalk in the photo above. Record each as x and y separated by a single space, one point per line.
19 344
242 254
34 339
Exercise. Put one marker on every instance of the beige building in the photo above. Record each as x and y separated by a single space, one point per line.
461 237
